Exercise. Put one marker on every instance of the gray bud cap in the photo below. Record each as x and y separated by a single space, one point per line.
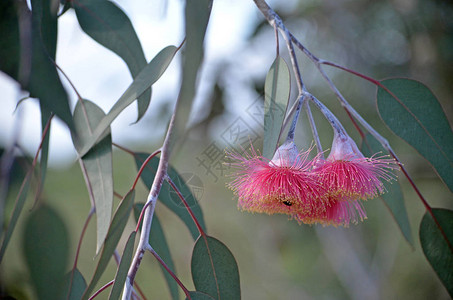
286 155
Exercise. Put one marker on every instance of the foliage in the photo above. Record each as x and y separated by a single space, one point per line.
28 55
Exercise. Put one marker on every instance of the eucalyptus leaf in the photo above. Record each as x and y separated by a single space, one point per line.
19 205
393 197
97 164
413 113
214 269
45 118
46 251
73 290
196 21
436 246
107 24
148 76
121 273
199 296
159 243
113 236
168 197
9 43
276 96
44 82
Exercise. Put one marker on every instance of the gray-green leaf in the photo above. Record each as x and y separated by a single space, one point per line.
437 247
214 269
46 251
121 273
113 236
97 163
393 198
107 24
276 96
148 76
413 113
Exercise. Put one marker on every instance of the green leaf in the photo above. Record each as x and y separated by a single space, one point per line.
45 118
196 21
46 251
10 38
393 198
414 114
276 96
168 197
199 296
113 236
121 273
44 82
73 290
20 201
107 24
436 248
97 163
214 269
148 76
158 241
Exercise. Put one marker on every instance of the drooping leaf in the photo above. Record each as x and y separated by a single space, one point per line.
107 24
113 236
413 113
147 77
45 118
276 96
437 247
97 163
9 39
196 21
44 82
158 241
214 269
20 201
393 197
167 195
73 290
199 296
121 274
46 251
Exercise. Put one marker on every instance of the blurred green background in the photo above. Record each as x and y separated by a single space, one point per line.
277 258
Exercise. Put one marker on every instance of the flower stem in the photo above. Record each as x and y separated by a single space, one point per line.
292 129
313 129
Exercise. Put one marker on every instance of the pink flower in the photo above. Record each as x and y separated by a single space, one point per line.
338 213
321 191
283 185
349 175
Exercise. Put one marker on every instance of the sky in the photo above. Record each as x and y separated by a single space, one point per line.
101 76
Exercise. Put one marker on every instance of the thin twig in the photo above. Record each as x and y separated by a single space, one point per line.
124 149
145 163
160 260
183 200
105 286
